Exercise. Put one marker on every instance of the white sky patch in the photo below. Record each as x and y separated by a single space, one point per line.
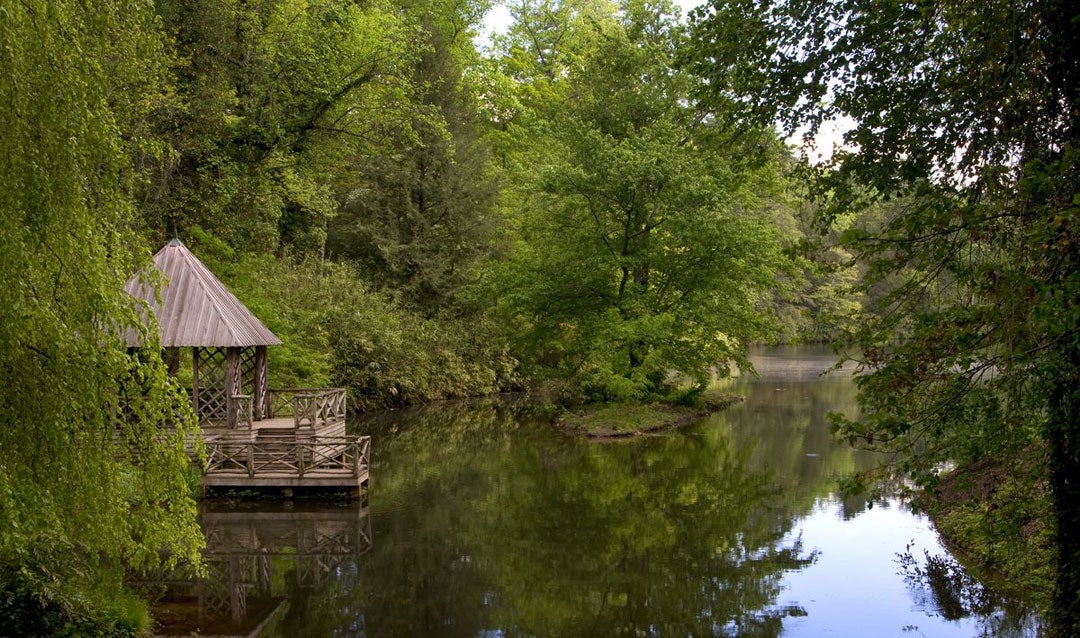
829 139
497 20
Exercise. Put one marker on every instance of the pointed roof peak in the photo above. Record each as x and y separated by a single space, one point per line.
196 309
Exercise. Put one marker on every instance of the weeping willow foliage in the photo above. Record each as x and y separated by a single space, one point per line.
89 482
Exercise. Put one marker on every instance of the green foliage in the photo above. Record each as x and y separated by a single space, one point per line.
966 138
271 108
88 480
642 248
35 602
420 218
336 330
389 356
822 299
292 298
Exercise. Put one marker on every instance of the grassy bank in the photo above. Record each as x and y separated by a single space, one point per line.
996 515
621 420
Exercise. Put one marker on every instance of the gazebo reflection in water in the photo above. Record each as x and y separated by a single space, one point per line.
258 556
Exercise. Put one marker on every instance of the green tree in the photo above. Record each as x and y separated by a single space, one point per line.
89 482
273 105
421 214
965 121
644 249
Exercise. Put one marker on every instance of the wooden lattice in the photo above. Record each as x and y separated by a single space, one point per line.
251 380
212 367
230 379
224 592
247 371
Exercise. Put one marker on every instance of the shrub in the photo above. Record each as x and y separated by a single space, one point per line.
337 330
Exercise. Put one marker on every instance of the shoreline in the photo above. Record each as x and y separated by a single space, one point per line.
591 421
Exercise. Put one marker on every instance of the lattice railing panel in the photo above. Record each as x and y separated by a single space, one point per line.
247 371
244 410
213 393
349 456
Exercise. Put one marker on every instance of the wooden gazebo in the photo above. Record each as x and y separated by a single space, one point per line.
255 436
228 343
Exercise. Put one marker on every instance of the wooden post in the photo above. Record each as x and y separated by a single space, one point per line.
172 361
232 385
251 459
237 595
260 393
264 574
195 382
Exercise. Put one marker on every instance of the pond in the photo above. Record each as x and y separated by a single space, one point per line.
484 521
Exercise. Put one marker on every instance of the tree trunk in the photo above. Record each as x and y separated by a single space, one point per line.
1063 436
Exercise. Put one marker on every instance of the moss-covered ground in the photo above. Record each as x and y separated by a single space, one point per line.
620 420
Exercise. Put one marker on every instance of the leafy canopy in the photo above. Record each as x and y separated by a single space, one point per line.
88 481
641 248
964 126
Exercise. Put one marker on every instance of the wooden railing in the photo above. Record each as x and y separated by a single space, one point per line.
315 456
313 407
241 411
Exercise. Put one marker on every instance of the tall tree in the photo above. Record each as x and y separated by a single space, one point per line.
966 115
420 214
643 247
83 492
273 105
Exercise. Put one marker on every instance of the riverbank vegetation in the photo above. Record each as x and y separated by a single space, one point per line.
964 137
997 512
615 420
618 420
598 203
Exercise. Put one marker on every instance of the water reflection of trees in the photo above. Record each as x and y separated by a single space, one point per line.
489 522
669 535
786 424
941 584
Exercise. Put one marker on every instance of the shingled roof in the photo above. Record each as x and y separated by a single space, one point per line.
196 309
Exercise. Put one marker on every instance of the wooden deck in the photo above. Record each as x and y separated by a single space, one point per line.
277 427
301 443
315 461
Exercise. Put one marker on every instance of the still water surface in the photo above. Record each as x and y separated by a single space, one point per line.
483 521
